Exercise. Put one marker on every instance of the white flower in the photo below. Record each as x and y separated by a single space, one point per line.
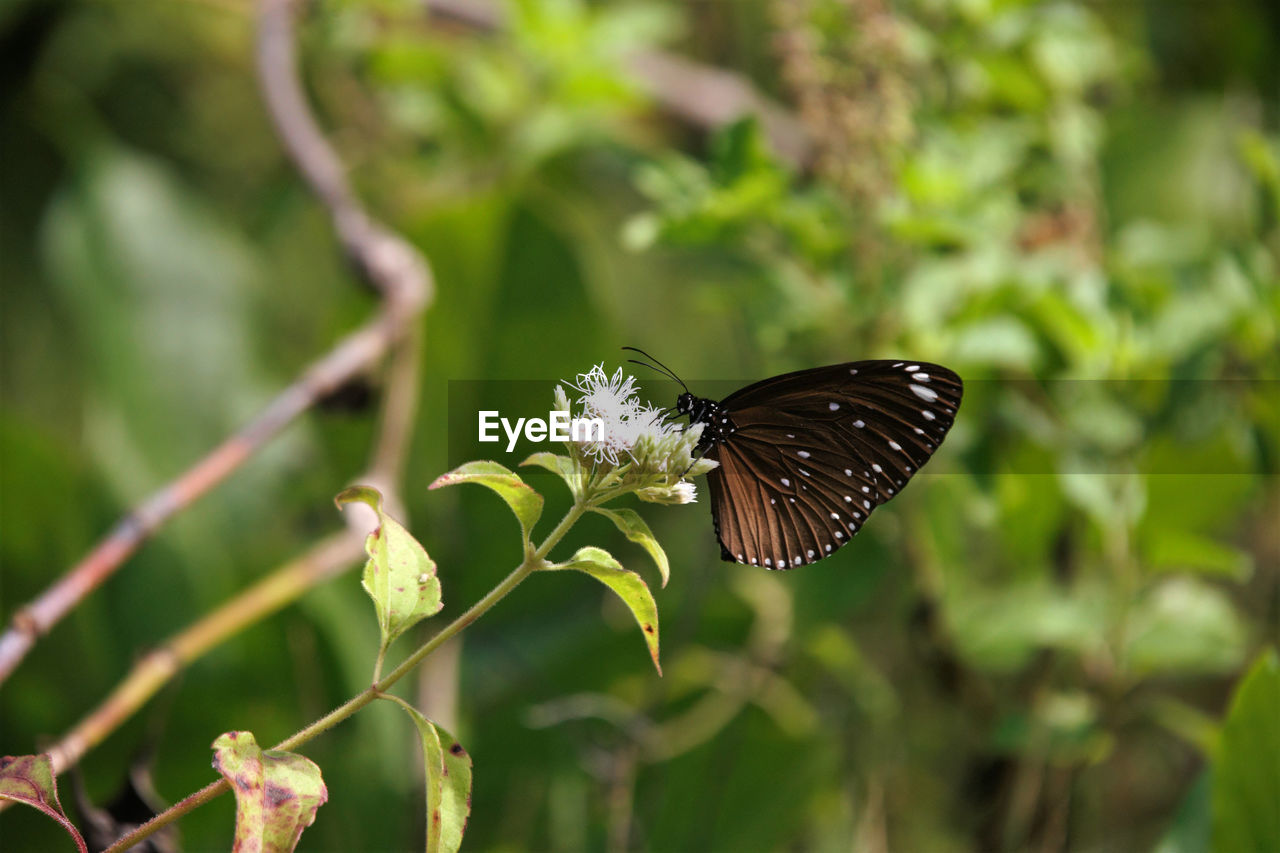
682 492
613 399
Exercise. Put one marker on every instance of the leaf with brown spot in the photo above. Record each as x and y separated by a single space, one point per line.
29 779
629 586
523 500
277 793
399 576
448 776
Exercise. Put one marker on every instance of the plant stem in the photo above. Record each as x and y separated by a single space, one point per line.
530 565
403 704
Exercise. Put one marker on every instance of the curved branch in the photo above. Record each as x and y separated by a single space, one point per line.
391 265
354 355
327 558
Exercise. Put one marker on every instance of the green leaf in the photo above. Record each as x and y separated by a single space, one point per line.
1183 626
277 792
448 775
557 464
635 529
523 500
399 576
29 779
1246 775
1189 831
1175 549
1001 630
629 586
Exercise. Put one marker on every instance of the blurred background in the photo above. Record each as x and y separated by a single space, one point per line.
1076 205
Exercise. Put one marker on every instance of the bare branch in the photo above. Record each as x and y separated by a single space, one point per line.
390 264
280 588
355 354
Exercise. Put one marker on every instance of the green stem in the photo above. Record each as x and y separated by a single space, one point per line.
403 704
531 564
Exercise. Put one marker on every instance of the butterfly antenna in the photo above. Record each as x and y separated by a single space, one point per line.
662 368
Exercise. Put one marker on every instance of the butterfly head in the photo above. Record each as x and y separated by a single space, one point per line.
684 404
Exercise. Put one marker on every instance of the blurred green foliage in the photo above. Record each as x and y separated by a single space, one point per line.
1076 206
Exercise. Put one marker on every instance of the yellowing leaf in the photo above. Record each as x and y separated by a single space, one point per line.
277 793
523 500
448 775
629 586
635 529
29 779
399 576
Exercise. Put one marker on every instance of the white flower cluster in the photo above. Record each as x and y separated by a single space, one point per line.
614 400
640 449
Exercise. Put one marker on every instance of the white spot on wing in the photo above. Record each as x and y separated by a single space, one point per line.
833 406
913 368
892 444
802 471
835 516
839 535
859 424
928 415
866 490
848 472
920 377
866 504
875 466
926 394
809 553
803 454
786 482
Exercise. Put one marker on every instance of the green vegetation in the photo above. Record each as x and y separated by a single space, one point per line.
1061 636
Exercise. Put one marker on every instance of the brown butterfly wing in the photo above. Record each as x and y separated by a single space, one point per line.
814 452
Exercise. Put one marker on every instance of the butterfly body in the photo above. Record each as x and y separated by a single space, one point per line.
806 456
717 426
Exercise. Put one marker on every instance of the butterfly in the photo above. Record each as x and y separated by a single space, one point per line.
805 457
